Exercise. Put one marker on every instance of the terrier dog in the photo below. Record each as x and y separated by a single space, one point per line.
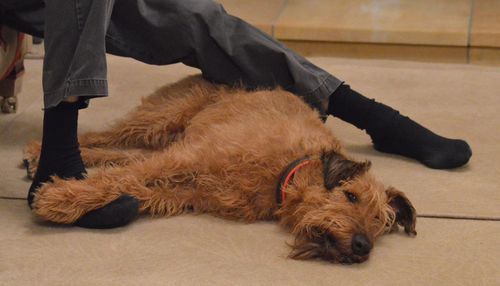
244 155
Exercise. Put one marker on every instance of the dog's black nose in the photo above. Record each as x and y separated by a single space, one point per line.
361 245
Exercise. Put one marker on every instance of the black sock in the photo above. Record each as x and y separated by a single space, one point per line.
393 133
117 213
60 154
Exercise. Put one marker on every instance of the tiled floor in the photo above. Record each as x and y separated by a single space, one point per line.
366 21
459 247
443 54
202 250
397 26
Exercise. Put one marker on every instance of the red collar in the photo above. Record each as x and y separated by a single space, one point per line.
287 176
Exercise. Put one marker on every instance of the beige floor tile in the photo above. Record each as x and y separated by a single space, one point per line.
259 13
485 29
485 56
420 53
458 101
428 22
202 250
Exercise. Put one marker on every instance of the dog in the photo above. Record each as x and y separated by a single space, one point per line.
195 146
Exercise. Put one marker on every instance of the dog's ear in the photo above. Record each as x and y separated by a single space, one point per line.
406 215
337 169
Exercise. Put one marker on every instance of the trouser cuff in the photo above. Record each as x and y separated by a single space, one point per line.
85 89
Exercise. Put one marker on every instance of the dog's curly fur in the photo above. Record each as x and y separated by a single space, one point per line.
196 146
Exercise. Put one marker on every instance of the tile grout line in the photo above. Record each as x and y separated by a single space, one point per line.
469 30
12 198
459 217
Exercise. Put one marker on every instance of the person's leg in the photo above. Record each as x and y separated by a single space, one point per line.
60 153
67 40
26 16
69 32
74 71
227 50
201 34
75 49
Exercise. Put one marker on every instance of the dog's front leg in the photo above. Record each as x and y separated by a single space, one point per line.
162 186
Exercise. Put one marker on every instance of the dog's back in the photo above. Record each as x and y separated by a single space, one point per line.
274 125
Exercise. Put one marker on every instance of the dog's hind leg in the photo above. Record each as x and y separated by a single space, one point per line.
156 123
162 186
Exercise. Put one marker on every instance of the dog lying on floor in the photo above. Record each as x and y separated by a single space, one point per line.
265 155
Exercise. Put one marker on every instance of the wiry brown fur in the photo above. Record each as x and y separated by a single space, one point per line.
195 146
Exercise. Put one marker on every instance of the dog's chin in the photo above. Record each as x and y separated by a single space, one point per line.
336 254
326 252
346 258
351 259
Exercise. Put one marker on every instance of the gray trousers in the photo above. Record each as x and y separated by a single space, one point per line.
198 33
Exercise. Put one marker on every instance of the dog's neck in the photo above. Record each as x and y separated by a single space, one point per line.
287 175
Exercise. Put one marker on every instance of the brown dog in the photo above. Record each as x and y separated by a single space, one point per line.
264 155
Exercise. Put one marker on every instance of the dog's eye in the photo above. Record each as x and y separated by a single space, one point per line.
351 197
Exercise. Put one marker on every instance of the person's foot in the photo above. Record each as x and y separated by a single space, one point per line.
60 153
65 167
397 134
60 156
405 137
118 213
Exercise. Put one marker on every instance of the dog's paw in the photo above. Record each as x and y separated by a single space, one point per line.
31 156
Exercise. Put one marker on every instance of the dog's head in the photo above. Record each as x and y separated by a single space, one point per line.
337 209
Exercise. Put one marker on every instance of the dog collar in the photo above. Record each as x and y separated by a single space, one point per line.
287 175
